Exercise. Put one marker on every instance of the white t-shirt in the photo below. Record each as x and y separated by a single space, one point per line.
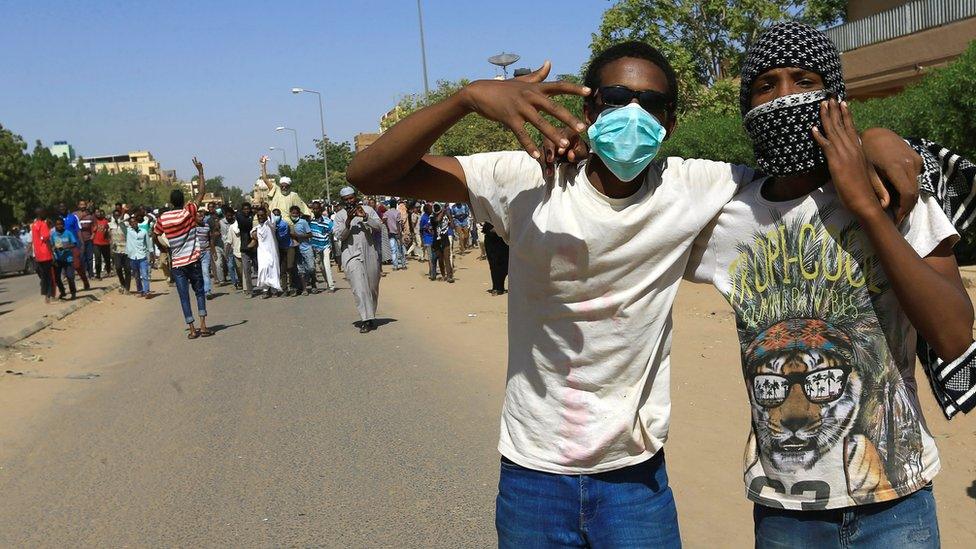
592 283
828 355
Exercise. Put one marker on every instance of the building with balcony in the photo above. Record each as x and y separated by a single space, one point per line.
139 162
63 148
888 44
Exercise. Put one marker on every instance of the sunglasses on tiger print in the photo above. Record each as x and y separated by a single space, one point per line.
819 386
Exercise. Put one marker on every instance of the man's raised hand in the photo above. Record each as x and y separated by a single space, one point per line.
523 100
197 164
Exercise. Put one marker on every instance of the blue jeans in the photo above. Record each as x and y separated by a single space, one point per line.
231 266
190 276
88 257
906 522
140 270
396 252
205 267
629 507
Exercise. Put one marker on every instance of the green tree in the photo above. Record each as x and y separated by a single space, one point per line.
472 134
15 192
54 180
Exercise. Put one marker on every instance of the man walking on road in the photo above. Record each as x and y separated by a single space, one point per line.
301 233
138 247
64 244
178 225
355 228
264 239
118 227
101 237
205 243
393 221
248 258
73 226
462 226
321 226
227 221
43 258
86 224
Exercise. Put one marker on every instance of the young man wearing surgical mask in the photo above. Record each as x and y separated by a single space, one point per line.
829 295
596 255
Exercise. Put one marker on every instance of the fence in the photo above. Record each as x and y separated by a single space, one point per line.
906 19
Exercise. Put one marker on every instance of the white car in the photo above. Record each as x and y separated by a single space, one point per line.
13 256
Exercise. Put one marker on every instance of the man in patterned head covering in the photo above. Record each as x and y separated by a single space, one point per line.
780 129
837 434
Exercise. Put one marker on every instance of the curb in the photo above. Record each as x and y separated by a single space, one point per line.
10 341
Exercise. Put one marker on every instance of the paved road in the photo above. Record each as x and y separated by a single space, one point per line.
287 428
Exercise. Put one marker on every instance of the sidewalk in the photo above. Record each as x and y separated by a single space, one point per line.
968 276
23 311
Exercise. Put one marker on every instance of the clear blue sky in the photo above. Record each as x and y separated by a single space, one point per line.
213 78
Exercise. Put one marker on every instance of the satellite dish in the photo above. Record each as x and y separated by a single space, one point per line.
503 60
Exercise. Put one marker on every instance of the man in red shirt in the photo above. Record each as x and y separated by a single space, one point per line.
102 240
43 258
179 226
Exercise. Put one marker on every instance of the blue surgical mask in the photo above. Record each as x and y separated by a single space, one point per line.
275 219
626 139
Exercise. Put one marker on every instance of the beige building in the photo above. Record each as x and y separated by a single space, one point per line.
888 44
363 140
139 162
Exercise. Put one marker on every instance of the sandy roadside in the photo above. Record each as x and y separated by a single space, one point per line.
52 355
710 416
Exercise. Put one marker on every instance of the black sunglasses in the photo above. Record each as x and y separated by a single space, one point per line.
621 96
819 386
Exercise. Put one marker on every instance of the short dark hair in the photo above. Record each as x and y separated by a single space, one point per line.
176 198
637 50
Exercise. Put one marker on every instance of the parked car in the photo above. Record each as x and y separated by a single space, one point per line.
13 256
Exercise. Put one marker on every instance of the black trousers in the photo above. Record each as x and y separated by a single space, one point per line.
66 269
103 252
123 270
45 272
497 252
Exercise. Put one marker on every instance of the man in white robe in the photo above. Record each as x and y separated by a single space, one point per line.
267 244
355 229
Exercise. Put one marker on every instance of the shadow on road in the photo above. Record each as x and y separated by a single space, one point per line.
971 491
220 327
379 322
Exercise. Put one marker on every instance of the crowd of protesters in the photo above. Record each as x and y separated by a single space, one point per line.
282 247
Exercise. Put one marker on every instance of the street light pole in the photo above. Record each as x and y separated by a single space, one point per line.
325 160
283 152
423 48
298 155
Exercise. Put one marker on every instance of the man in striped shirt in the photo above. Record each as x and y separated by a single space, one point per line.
179 226
322 244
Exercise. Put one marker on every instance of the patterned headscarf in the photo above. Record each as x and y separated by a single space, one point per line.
780 129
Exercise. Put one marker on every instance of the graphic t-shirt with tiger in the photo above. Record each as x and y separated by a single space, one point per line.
828 355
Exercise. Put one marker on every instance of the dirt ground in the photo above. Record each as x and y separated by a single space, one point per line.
709 415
